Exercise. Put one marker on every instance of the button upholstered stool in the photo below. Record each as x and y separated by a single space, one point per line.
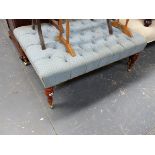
93 46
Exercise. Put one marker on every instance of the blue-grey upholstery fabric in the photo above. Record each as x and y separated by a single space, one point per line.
93 45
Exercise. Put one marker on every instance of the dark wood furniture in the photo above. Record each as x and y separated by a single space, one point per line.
147 22
14 23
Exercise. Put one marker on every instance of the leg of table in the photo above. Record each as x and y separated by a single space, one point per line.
49 92
115 23
40 35
132 60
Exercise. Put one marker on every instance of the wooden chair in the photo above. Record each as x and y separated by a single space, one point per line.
123 28
38 23
66 41
63 40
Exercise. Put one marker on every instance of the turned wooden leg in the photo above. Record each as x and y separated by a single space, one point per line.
132 60
49 92
22 56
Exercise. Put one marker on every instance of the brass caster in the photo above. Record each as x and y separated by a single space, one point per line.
25 60
51 105
26 63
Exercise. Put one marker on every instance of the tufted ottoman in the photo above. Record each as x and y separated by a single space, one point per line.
93 45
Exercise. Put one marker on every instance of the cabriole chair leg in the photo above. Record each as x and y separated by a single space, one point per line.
49 92
132 60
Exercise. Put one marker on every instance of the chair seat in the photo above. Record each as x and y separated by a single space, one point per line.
93 45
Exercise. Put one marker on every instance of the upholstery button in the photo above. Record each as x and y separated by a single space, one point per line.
45 36
128 38
54 47
82 22
82 33
103 27
48 29
94 50
80 53
93 42
107 45
117 42
65 59
92 30
80 47
93 36
34 32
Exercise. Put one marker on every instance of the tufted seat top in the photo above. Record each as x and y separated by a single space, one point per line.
93 45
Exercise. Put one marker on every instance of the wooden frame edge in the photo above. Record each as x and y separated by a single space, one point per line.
21 53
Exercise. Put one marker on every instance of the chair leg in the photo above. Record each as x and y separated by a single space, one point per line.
132 60
41 35
109 26
123 28
33 23
65 41
49 92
